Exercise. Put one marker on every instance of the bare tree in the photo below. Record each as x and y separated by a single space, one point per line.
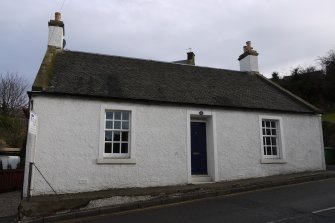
13 95
328 60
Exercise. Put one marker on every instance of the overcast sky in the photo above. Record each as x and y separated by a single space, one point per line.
286 33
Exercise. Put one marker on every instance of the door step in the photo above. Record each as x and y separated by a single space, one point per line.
201 179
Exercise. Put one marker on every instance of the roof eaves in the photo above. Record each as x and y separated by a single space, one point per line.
46 93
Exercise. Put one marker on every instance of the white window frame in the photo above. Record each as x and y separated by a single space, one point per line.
121 130
280 157
105 158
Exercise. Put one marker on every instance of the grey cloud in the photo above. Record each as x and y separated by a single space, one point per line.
286 33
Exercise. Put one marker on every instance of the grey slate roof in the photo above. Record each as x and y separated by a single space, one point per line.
78 73
180 62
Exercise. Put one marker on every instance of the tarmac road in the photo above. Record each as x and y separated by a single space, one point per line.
306 202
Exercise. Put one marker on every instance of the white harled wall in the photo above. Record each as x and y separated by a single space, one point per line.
68 140
56 36
249 63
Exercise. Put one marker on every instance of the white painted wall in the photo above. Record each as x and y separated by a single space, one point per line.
55 36
249 63
68 141
240 158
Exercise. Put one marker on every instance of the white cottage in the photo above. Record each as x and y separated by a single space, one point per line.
116 122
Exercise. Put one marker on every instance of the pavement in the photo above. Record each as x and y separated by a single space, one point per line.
70 206
9 203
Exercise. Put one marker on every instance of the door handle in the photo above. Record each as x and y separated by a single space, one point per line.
196 153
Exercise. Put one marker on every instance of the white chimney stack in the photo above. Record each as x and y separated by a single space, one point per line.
56 32
248 59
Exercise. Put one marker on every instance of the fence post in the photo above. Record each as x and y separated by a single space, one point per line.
29 179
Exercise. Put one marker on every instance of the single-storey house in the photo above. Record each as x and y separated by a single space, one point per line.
99 122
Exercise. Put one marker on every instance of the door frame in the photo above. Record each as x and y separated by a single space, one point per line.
208 116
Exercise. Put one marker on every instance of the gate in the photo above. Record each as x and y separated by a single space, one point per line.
11 180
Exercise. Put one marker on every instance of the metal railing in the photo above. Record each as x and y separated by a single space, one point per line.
31 165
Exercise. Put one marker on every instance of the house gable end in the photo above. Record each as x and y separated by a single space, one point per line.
45 73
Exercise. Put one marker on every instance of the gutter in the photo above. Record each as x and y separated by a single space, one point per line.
46 93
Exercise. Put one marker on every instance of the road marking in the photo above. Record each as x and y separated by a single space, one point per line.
285 219
323 210
303 215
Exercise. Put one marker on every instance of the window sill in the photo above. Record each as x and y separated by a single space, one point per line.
116 161
272 161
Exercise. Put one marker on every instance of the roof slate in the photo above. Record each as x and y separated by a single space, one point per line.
78 73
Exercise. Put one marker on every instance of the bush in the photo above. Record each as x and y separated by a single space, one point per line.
328 133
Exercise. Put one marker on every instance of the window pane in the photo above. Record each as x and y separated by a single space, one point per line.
273 124
274 132
108 135
116 147
117 115
125 115
264 150
109 124
109 115
263 140
125 125
267 124
273 141
268 132
124 148
268 142
116 136
274 150
268 150
263 130
117 125
263 123
108 147
125 136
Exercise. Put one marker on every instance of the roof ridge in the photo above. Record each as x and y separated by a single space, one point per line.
157 61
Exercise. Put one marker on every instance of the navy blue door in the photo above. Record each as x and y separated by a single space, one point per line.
198 148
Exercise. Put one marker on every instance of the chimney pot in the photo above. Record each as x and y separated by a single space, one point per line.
248 59
58 16
56 32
